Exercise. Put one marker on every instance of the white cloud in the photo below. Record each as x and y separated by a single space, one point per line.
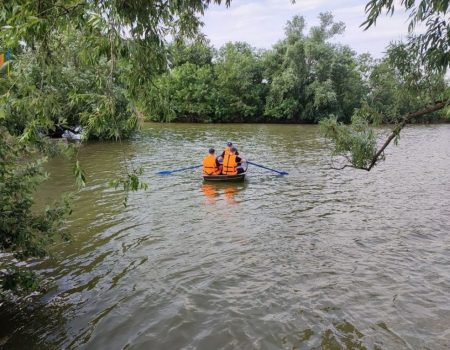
298 6
261 23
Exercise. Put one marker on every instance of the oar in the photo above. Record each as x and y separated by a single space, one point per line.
264 167
168 172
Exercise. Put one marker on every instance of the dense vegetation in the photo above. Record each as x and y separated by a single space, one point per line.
304 78
73 63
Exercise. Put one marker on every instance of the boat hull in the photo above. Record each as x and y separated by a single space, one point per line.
222 178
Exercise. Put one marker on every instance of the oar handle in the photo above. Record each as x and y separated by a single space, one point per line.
168 172
191 167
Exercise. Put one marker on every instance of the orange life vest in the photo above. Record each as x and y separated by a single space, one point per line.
209 165
226 151
229 166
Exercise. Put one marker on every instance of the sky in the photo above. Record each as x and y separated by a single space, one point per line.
261 23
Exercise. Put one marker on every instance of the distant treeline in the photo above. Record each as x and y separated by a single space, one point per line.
304 78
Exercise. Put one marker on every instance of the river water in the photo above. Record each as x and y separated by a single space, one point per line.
319 259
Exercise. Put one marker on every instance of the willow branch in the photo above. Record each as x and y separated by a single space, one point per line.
407 117
344 166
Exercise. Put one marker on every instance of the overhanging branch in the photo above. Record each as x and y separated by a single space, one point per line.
404 120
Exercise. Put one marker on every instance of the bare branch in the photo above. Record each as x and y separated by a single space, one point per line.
343 167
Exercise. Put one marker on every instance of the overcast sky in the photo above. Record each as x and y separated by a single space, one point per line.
261 22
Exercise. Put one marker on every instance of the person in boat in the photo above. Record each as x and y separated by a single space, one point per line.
232 163
227 150
211 165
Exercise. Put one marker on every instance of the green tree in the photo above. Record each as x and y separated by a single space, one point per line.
287 81
83 62
23 232
433 46
311 78
186 93
410 78
399 83
198 52
240 87
166 96
200 88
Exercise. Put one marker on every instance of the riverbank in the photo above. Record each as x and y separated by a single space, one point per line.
422 121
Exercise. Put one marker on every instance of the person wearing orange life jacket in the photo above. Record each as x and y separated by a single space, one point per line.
232 163
227 150
210 164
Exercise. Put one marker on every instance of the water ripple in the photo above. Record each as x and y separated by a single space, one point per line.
316 259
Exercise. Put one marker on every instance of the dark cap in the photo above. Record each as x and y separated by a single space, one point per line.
229 144
212 150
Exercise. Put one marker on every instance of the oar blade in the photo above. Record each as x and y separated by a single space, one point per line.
164 172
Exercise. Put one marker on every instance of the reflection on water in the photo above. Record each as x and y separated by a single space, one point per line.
222 190
229 193
316 259
210 192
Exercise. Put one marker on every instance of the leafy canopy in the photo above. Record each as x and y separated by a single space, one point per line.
75 62
407 84
434 44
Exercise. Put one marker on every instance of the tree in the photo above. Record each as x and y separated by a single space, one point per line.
309 77
191 92
287 81
185 91
198 52
23 232
434 45
240 88
411 78
74 62
303 78
199 88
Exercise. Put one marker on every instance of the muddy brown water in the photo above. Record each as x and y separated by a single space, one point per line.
319 259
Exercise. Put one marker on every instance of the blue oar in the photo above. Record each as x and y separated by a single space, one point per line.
168 172
264 167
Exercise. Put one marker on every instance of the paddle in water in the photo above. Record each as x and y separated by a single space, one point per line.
264 167
168 172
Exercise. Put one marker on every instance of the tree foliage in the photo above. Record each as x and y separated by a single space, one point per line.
303 78
434 44
23 233
117 46
406 85
208 85
74 63
239 82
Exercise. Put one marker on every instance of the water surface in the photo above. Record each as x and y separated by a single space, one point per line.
317 259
